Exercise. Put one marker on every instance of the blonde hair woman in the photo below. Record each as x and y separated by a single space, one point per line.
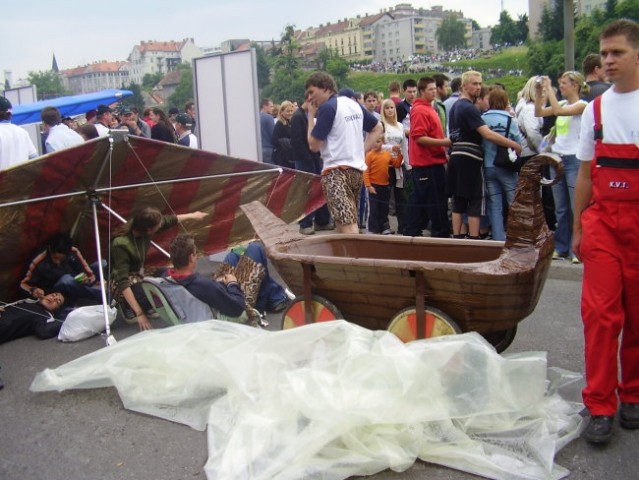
567 126
394 136
281 139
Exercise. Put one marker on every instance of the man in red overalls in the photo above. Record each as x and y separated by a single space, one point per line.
606 236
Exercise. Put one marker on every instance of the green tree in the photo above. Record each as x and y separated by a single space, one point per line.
551 26
451 34
628 9
288 79
329 61
505 32
263 66
48 84
184 91
150 80
522 27
475 24
546 58
135 100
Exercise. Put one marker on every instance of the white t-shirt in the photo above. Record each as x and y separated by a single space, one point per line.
102 130
61 137
568 128
618 118
15 145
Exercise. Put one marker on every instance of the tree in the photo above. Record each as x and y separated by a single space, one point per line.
150 80
522 27
48 84
475 25
551 26
263 67
505 32
135 100
288 78
329 61
184 91
451 34
628 9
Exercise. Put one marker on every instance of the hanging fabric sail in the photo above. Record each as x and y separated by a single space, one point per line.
55 193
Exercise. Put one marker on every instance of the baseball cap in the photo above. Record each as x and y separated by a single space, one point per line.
5 105
184 119
125 110
102 109
173 111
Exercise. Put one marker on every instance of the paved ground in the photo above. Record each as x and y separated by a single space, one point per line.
89 435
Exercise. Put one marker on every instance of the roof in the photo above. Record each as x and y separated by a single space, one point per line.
98 67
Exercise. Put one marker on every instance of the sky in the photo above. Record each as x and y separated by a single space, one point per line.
86 31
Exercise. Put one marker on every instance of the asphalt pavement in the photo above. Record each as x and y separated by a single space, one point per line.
87 434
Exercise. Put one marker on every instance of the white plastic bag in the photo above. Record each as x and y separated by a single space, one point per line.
84 322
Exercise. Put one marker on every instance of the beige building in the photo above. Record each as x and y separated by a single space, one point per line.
586 7
393 34
535 10
95 77
160 57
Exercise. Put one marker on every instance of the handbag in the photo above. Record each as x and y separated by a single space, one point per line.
505 157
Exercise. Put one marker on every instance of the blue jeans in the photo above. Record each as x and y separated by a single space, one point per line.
563 194
271 293
378 213
321 216
73 290
500 186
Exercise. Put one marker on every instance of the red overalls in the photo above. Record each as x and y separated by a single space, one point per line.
610 252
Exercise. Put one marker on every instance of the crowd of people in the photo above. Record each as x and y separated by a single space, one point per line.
444 159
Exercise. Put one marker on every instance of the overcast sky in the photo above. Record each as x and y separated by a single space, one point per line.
81 32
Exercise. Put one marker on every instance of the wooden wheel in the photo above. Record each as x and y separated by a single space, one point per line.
404 324
501 339
321 311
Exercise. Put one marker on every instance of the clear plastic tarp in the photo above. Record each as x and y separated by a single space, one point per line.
333 400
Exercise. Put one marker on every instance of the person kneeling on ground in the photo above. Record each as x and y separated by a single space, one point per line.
31 317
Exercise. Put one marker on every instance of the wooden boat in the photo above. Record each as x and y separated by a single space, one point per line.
389 282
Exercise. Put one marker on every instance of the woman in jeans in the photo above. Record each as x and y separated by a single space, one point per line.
568 112
500 183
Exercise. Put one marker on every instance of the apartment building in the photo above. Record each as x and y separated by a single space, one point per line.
95 77
153 57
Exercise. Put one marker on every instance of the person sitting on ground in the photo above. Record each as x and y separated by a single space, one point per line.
222 294
31 317
62 268
128 252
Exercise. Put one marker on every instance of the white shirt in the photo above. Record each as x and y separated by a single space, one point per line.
568 129
618 118
61 137
15 145
102 130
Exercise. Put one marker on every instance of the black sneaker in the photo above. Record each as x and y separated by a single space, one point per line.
599 429
629 415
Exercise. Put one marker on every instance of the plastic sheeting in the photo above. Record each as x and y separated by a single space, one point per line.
332 400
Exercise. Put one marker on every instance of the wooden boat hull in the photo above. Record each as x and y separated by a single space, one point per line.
485 286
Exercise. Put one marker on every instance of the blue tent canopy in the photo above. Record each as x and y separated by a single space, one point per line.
68 106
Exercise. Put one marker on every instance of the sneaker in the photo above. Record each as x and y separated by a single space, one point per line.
629 416
599 429
388 231
307 230
278 307
575 261
328 226
152 314
558 256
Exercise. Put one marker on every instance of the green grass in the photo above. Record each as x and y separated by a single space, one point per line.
513 58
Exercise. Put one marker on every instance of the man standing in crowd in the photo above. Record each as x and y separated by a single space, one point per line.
104 117
266 129
595 78
336 126
59 136
442 82
394 92
464 177
307 161
183 123
15 144
427 147
605 236
131 120
455 85
370 103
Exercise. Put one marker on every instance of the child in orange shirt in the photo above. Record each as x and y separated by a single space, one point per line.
377 182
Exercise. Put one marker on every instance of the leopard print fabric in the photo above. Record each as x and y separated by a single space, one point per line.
341 188
249 274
